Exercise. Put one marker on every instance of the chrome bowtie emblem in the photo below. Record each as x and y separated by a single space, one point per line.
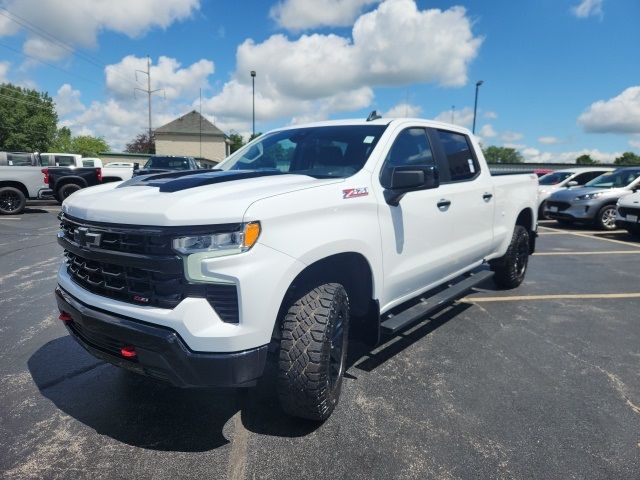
83 237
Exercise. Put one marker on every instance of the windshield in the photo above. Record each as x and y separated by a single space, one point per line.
170 163
320 152
617 179
554 178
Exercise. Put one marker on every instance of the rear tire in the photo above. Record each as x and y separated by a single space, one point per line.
313 352
509 271
65 190
12 201
606 218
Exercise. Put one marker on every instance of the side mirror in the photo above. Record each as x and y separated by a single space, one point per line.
410 179
572 183
136 166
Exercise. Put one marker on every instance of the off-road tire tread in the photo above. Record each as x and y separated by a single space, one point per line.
505 275
303 386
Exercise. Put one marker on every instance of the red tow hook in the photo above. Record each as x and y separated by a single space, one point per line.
128 352
65 317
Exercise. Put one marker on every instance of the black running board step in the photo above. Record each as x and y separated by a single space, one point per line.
428 305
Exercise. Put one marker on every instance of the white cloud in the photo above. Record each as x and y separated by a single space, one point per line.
462 117
308 14
511 137
67 101
403 109
549 140
166 74
4 69
490 115
316 66
619 114
634 141
77 23
487 131
588 8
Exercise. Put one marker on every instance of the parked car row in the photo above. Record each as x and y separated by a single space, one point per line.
61 174
608 201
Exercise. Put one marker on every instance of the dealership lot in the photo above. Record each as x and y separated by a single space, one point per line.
538 382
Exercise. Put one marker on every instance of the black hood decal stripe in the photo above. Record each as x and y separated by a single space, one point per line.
177 181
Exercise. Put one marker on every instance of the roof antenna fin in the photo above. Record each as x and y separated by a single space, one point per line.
373 116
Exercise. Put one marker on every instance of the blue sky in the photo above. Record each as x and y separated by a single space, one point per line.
561 76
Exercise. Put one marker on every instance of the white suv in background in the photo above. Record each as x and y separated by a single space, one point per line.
628 213
566 178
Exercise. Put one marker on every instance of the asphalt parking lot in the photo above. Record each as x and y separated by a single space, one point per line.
538 382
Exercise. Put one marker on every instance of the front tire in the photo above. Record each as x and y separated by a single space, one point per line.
606 218
509 271
12 201
313 352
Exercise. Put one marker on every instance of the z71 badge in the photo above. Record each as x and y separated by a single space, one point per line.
355 192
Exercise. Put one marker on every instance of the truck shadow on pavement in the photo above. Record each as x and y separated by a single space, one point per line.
148 414
153 415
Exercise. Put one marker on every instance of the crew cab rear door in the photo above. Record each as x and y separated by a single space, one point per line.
468 189
417 233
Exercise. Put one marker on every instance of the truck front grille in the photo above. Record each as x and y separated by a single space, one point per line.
106 271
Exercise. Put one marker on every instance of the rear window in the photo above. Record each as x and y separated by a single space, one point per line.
460 159
19 159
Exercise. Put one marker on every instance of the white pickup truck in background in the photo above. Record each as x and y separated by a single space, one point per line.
20 180
109 173
301 238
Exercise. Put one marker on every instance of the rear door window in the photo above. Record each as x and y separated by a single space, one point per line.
461 162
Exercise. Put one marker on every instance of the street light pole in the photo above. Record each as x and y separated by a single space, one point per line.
475 106
253 88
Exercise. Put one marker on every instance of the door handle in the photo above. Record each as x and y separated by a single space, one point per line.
444 203
487 196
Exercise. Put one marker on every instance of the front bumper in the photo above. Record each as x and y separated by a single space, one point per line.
160 351
581 210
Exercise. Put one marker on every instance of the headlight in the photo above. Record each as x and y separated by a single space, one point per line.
224 243
589 196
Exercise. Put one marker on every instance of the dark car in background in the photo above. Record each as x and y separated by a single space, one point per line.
167 163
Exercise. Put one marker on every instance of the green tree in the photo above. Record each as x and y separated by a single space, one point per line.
627 158
62 141
88 146
255 135
28 119
585 160
236 141
495 154
142 144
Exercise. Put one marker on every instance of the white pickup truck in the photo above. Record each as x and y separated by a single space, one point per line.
20 180
109 173
304 236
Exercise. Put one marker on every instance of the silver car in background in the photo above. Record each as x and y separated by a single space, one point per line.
565 178
596 201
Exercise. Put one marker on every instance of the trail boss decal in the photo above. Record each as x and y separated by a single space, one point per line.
355 192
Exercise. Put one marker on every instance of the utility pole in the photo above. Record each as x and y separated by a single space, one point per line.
148 91
453 114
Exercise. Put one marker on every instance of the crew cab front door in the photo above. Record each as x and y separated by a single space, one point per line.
418 232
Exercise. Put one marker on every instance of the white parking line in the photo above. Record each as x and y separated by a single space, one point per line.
10 218
595 237
569 296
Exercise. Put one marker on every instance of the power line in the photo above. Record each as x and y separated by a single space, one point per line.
74 75
53 39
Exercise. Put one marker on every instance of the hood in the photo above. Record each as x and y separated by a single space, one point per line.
569 194
141 202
